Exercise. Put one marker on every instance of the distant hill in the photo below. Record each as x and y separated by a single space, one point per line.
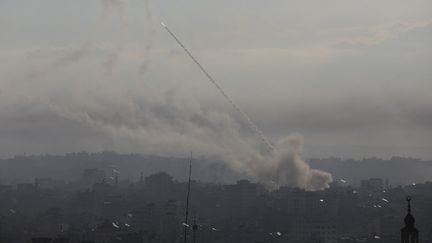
71 167
398 170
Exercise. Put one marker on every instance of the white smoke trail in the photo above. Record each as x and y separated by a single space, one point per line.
249 122
170 127
284 167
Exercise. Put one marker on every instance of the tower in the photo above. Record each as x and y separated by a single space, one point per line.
409 234
187 200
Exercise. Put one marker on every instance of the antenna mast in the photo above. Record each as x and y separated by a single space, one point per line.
187 199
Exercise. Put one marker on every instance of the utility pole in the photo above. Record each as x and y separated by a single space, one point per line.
187 200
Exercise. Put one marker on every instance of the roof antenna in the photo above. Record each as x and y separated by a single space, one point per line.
187 200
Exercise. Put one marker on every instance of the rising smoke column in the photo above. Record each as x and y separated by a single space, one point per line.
286 167
282 167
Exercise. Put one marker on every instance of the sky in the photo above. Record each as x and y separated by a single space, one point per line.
352 77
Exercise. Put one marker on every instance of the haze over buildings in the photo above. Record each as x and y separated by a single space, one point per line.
315 126
352 77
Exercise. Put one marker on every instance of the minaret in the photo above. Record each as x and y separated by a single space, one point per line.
409 234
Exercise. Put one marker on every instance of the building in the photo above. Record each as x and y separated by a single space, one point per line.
371 186
41 240
92 176
409 234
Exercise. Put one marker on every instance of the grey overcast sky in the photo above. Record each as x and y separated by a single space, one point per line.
353 77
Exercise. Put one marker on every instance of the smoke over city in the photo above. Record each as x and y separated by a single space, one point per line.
164 124
168 126
287 168
147 121
283 83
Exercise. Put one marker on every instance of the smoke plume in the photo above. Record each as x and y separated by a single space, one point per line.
166 126
152 123
285 167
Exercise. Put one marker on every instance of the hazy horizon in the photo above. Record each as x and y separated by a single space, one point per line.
308 121
352 77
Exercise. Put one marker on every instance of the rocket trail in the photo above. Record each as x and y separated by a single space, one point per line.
250 123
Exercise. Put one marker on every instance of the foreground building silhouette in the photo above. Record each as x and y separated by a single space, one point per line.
409 234
151 210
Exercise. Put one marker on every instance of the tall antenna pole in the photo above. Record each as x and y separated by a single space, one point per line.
187 199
